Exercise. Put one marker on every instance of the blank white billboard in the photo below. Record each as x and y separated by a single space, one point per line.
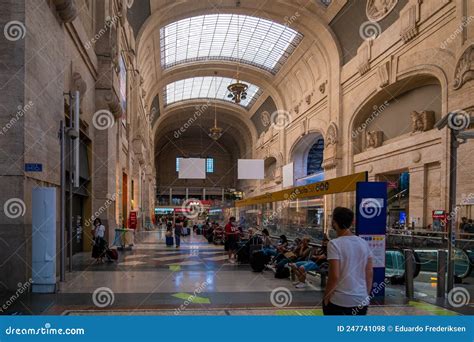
251 169
288 174
192 168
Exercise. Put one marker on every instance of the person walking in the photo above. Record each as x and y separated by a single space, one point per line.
99 247
231 238
178 232
350 269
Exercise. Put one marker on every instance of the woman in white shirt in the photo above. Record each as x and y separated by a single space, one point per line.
99 247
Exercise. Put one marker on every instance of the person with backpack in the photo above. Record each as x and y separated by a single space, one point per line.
350 271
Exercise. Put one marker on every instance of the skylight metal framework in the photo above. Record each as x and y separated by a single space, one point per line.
207 87
262 43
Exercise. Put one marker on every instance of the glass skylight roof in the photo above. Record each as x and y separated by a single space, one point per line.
262 43
208 87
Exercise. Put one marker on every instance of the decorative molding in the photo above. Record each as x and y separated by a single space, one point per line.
383 73
464 71
409 18
66 9
376 10
364 56
422 121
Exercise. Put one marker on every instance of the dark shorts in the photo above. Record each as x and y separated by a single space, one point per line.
231 243
336 310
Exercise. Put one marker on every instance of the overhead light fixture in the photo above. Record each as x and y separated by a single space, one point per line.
237 90
215 132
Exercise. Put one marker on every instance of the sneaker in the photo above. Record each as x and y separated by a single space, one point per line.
296 282
300 285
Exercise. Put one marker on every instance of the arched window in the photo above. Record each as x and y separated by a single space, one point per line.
315 157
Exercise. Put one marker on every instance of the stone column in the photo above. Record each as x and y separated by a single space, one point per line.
417 201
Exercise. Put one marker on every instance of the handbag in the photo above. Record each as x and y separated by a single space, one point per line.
290 255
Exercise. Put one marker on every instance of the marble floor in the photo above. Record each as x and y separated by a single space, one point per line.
196 279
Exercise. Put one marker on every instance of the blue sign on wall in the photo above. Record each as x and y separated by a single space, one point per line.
33 167
371 221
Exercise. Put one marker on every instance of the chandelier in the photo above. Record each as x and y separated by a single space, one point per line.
237 90
215 132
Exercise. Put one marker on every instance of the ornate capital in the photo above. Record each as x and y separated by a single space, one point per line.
464 71
114 104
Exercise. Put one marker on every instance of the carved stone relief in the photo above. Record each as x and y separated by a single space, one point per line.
422 121
376 10
409 18
66 10
464 71
374 139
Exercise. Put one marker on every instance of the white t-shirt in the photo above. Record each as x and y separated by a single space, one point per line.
353 254
99 231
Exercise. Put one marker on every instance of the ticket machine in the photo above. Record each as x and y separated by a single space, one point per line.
439 220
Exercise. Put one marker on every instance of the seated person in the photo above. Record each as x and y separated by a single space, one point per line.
286 247
268 247
317 257
253 239
282 244
300 253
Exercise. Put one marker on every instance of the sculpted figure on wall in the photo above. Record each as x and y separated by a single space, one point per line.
422 121
378 9
374 139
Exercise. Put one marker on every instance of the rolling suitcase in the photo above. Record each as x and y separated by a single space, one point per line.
169 241
112 254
